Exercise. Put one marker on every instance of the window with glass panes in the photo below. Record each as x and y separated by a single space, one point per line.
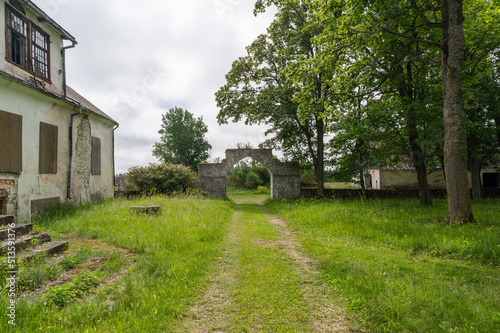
28 46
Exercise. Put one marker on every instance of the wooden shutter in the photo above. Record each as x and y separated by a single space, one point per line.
48 149
96 156
11 142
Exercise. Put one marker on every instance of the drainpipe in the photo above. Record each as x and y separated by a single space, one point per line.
113 156
63 55
68 194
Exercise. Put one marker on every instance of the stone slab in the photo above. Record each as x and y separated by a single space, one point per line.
19 230
6 219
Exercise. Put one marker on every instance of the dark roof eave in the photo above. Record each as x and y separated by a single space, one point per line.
58 97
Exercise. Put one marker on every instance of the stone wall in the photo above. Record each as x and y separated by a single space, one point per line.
385 194
285 179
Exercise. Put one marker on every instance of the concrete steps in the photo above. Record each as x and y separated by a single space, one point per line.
49 249
18 230
25 241
6 220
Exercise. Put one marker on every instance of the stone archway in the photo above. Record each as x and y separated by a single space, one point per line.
285 179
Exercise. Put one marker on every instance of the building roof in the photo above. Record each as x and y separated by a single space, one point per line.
44 17
72 96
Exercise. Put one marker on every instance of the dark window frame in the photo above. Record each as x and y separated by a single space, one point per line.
27 45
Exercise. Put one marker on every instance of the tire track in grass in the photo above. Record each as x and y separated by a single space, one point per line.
262 282
210 312
328 314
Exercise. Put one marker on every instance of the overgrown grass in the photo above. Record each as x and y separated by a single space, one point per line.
260 287
267 293
235 192
399 267
174 250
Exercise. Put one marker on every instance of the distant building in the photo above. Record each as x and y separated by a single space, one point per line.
55 146
404 177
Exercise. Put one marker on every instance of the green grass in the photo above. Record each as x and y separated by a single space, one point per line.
236 193
267 294
399 267
174 251
395 266
261 286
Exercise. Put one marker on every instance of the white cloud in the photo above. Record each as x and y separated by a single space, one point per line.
136 59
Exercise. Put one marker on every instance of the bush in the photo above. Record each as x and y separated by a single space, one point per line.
249 176
161 178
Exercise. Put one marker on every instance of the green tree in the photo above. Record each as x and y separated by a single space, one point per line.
249 175
182 139
279 84
439 30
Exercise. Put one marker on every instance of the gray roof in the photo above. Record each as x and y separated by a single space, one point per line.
86 104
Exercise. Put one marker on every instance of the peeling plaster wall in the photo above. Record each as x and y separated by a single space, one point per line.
103 185
80 191
35 108
29 185
8 191
86 186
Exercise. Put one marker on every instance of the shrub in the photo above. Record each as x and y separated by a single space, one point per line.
161 178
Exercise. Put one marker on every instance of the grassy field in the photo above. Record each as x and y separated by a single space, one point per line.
173 252
258 288
385 265
399 268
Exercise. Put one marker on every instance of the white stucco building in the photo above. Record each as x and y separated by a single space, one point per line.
405 178
55 146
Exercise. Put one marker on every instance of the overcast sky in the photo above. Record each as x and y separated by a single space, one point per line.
136 59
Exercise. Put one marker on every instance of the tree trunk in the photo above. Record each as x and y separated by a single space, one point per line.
474 160
477 185
455 146
417 157
424 192
359 149
320 165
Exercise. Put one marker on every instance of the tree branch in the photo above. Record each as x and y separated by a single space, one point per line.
387 29
423 17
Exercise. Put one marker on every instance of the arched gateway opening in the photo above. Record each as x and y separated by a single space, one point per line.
285 179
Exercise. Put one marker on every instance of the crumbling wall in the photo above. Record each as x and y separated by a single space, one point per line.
285 179
80 191
8 192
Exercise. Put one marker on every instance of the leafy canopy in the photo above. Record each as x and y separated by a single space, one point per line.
182 139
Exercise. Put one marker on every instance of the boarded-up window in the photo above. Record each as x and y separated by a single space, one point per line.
96 156
48 149
11 142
